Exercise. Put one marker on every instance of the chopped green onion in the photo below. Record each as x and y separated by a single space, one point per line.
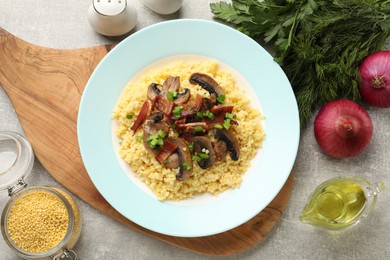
174 94
207 113
191 146
204 155
161 134
154 142
226 124
229 115
218 126
196 158
221 98
177 111
170 96
199 114
198 128
210 115
139 138
129 116
187 165
165 161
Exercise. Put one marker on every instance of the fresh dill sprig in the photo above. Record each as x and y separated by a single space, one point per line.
319 44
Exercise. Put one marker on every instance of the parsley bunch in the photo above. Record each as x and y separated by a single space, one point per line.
319 44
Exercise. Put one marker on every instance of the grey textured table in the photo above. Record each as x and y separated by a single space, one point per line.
63 24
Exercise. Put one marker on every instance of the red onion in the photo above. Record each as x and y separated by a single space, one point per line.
375 76
343 128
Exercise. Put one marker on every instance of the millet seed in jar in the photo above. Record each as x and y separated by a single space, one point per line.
37 221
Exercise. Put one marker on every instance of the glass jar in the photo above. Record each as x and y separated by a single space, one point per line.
37 222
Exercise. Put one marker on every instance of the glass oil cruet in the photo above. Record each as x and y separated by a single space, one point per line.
340 202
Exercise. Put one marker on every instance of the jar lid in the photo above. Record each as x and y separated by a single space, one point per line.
16 159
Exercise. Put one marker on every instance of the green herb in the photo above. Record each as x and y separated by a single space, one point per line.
196 158
319 44
198 128
129 116
187 165
165 161
139 138
221 98
218 126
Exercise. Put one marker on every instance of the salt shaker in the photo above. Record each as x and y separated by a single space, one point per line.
163 6
112 17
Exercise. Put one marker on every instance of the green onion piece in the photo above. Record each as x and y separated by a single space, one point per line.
177 111
165 161
229 115
170 96
174 94
139 138
226 124
206 113
160 142
199 114
153 143
198 128
191 146
129 116
221 98
218 126
187 165
161 134
204 155
210 115
196 158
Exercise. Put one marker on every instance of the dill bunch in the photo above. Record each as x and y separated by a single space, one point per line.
319 44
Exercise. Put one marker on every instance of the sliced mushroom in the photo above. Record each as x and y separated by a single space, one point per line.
171 84
231 143
206 82
153 91
203 145
152 125
220 149
172 161
183 97
183 158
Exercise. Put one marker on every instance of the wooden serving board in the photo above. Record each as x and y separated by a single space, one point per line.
45 86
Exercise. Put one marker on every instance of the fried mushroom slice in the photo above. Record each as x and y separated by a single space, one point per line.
220 149
231 143
152 126
202 145
206 82
184 159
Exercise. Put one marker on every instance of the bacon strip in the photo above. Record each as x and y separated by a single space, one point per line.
221 109
165 151
141 117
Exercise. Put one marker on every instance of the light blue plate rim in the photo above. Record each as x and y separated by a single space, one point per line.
184 37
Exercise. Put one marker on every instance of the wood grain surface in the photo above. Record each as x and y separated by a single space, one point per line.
45 86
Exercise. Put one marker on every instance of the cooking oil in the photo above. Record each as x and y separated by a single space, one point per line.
339 202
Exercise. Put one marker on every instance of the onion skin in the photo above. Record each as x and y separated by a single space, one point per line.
375 79
343 128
